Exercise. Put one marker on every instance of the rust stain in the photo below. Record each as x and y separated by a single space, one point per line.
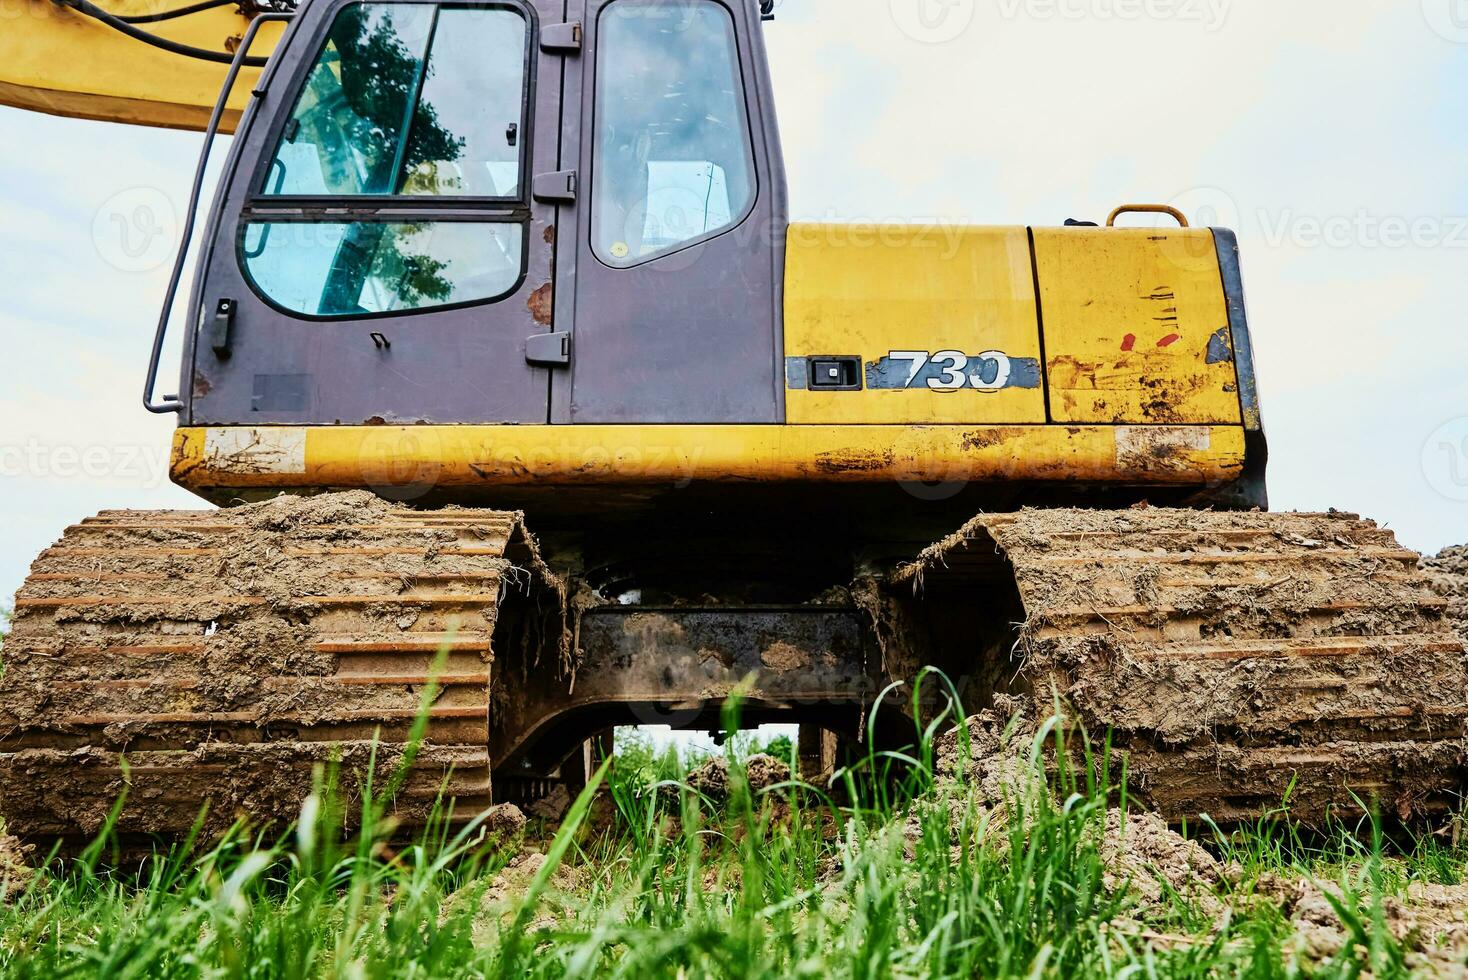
1159 450
985 438
375 420
541 304
550 234
202 385
184 462
853 462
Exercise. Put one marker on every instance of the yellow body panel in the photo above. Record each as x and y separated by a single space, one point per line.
457 456
58 61
1136 326
873 290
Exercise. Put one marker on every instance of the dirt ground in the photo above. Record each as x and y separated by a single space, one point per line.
1448 572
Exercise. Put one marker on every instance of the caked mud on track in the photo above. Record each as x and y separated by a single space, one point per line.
226 653
217 657
1235 658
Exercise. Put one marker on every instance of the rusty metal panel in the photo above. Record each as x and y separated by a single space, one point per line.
483 460
658 665
798 654
1136 327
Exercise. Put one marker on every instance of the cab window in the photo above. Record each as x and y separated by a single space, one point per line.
673 162
404 101
409 99
364 267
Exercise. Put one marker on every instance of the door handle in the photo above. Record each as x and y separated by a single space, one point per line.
220 327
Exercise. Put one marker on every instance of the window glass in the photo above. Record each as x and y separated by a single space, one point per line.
409 99
351 269
466 130
673 160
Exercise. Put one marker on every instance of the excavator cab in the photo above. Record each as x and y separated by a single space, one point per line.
443 228
451 213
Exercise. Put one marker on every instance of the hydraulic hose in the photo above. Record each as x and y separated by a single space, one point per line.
192 8
90 9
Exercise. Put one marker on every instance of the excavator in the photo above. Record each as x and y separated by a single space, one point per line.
527 409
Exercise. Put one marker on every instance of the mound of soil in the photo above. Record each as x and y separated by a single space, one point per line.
712 778
995 753
1431 923
1448 572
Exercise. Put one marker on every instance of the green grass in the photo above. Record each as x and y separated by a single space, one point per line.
909 877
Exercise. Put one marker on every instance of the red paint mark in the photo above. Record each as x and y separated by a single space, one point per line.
1169 340
1129 342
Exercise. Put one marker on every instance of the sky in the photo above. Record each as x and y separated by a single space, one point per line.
1329 133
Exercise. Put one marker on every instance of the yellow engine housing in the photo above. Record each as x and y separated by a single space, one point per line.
1129 341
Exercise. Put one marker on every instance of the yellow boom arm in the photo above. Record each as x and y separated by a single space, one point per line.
57 60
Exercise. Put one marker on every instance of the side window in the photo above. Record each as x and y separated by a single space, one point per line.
405 100
364 267
409 99
673 161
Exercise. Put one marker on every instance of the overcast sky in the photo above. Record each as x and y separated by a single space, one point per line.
1330 133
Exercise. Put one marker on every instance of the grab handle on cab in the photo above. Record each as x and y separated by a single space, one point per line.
1147 209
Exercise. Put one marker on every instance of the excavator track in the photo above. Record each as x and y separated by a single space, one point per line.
1235 660
218 657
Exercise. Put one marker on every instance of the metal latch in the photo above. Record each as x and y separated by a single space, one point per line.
835 372
555 187
219 327
548 348
565 38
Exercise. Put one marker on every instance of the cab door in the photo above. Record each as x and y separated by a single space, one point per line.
673 246
377 253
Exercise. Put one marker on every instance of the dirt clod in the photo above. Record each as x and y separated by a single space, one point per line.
1141 848
1448 573
504 821
712 778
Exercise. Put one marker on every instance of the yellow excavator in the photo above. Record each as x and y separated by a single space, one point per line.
475 269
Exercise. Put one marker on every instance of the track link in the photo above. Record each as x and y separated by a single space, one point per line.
218 657
1235 659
